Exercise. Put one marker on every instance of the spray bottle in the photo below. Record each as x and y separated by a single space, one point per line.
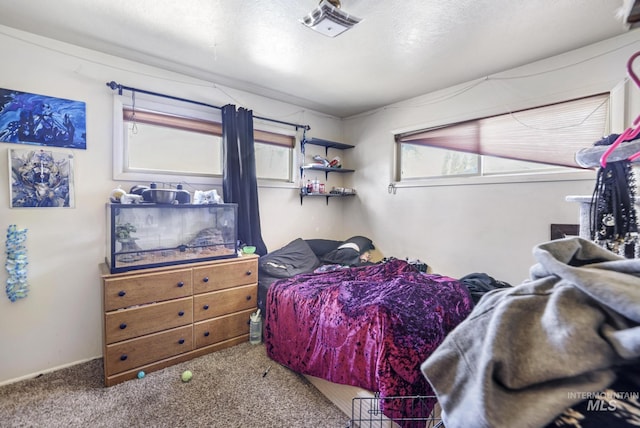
255 328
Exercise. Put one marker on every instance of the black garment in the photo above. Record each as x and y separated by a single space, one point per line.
616 406
613 214
480 283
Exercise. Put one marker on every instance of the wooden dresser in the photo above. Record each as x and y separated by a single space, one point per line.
157 317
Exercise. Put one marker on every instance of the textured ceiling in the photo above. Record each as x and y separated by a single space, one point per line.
400 49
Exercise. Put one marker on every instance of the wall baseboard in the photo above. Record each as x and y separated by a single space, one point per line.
49 370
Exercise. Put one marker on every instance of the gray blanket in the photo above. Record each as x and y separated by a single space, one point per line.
528 352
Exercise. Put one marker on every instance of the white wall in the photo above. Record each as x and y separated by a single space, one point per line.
60 322
481 228
457 230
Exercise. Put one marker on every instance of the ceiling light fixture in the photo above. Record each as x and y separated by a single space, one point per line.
328 19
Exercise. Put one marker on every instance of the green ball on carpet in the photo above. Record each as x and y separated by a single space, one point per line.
186 376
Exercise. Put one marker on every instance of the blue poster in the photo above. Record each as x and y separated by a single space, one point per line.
41 120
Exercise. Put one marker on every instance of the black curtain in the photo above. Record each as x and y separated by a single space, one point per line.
239 181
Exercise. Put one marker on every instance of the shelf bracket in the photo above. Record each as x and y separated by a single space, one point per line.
302 197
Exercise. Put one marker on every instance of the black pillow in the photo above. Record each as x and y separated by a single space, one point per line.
342 256
294 258
363 243
322 246
348 253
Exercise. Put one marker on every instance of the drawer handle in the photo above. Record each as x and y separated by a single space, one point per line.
122 293
181 313
206 307
123 357
123 326
205 279
181 284
248 273
248 298
206 334
181 341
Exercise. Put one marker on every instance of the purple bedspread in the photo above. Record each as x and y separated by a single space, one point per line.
368 326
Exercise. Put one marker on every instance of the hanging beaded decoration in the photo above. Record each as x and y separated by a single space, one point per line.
16 263
613 214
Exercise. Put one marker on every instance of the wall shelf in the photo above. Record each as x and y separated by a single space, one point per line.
326 195
326 170
326 144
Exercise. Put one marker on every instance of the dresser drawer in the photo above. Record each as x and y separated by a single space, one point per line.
221 328
217 303
133 353
225 275
133 322
146 288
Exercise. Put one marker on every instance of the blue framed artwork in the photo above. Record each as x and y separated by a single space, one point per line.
42 120
41 179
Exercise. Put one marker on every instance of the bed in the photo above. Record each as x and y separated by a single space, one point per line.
332 316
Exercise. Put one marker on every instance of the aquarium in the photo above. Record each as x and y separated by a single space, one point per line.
153 235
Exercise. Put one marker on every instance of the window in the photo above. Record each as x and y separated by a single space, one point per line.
166 143
274 155
533 141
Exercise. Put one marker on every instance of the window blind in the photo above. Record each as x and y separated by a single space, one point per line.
199 125
178 122
550 134
273 138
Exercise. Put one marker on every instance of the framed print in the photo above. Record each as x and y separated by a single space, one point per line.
42 120
40 178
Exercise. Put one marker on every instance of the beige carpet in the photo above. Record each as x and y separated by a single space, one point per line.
228 389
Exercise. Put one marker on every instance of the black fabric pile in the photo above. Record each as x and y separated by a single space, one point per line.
479 284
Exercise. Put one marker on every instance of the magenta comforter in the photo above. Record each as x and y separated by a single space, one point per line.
368 326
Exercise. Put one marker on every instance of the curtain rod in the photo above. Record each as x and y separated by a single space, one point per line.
113 85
